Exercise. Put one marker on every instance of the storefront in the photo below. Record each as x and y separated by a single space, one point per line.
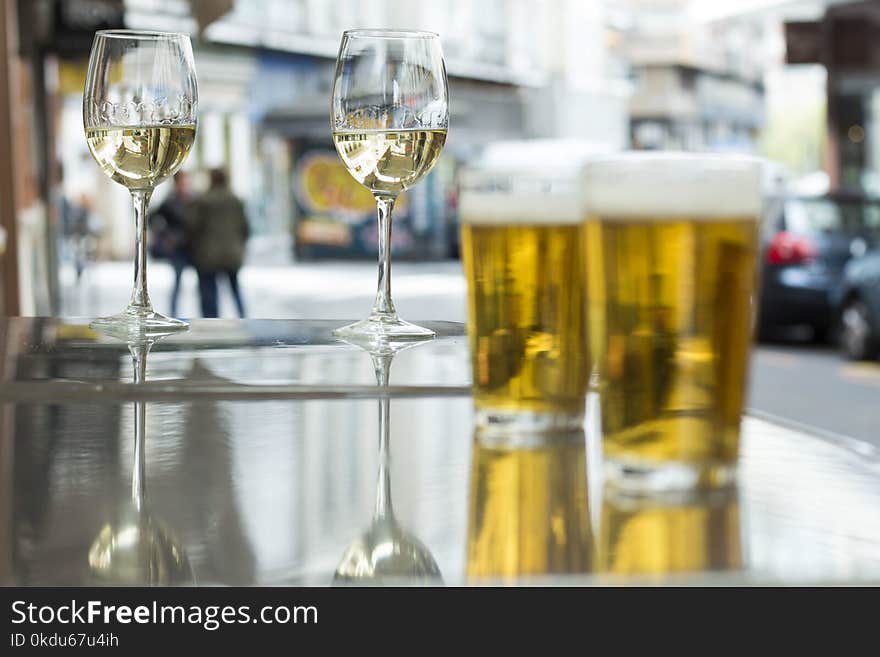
333 215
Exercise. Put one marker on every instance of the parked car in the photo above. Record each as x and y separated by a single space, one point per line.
858 307
807 242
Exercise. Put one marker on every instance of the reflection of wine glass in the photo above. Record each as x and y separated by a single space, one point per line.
669 533
528 508
385 551
390 115
137 549
139 112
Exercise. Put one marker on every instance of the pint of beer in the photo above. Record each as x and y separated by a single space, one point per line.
523 255
671 245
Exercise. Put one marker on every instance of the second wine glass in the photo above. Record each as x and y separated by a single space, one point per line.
390 116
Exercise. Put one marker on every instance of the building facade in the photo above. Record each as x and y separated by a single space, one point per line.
698 84
518 69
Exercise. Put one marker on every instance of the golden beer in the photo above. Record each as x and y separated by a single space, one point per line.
528 507
656 536
523 257
672 242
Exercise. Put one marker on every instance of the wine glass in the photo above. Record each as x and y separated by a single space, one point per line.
390 115
139 114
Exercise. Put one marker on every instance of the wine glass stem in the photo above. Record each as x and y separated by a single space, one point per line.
140 298
384 307
383 487
138 471
138 474
382 366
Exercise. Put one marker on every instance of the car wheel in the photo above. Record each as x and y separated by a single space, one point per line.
855 332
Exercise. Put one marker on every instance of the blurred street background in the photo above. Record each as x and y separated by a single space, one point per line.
539 81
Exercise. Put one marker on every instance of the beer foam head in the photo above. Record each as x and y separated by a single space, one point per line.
672 185
520 197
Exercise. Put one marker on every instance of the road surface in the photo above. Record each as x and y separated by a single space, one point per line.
815 387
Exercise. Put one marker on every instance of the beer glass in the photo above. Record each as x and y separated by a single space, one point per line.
671 242
139 113
523 256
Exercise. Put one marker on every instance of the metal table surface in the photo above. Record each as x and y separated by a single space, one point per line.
261 460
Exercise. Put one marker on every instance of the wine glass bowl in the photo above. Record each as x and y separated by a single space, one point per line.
387 554
140 106
138 550
390 116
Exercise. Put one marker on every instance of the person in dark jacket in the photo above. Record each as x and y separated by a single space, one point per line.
168 225
218 231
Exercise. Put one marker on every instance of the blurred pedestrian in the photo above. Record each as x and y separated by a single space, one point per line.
170 239
218 230
81 229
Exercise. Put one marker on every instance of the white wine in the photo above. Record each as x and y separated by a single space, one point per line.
140 157
389 161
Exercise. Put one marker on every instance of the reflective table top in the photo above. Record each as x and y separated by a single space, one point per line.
221 359
205 483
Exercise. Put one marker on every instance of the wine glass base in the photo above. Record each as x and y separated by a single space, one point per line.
138 323
378 328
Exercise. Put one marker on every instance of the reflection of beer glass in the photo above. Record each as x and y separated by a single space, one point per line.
670 533
523 256
528 506
672 241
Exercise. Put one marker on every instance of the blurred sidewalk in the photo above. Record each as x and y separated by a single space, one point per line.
331 290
